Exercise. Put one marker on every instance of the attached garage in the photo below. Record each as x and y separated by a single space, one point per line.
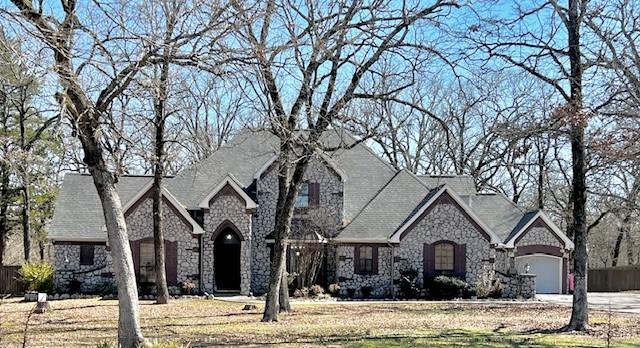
548 271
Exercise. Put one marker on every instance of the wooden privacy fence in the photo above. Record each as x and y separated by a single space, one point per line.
9 283
614 279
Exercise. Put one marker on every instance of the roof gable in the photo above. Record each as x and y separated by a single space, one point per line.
443 195
539 218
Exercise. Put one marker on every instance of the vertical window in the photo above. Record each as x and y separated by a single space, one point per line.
302 201
366 260
147 262
86 255
444 259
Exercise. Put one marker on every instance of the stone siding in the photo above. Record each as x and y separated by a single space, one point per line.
539 236
381 283
232 208
444 222
518 285
66 261
327 217
140 226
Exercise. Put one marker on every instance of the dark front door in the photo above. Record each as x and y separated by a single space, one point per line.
227 260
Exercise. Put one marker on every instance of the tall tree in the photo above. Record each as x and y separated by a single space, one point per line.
540 52
67 31
332 51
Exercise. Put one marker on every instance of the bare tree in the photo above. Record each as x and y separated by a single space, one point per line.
88 111
316 45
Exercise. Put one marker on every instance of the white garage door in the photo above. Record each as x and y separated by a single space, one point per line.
548 271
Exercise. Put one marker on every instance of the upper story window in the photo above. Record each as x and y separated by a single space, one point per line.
86 255
444 257
302 201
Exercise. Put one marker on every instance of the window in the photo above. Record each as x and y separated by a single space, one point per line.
86 255
302 201
147 262
444 259
366 260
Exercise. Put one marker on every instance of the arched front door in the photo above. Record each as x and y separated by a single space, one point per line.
227 260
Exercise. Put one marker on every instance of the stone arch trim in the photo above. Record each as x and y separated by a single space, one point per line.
539 249
227 224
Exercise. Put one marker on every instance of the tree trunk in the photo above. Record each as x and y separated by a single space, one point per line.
283 300
4 210
580 311
129 332
631 260
541 172
287 193
26 226
162 291
615 253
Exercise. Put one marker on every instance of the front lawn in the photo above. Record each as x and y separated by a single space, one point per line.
204 323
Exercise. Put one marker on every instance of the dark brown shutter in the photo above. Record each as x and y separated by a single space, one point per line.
135 252
460 260
314 194
429 261
356 259
374 261
171 261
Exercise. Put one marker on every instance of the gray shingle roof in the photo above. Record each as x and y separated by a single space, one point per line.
390 208
499 213
78 211
460 184
242 157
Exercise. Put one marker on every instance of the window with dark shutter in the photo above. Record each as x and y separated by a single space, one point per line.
302 201
86 255
366 259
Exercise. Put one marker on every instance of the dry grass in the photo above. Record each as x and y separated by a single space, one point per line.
204 323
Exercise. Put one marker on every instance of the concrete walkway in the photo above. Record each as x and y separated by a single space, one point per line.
624 302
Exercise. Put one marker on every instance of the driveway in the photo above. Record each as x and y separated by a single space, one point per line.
624 302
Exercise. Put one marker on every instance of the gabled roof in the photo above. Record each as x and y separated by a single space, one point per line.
432 199
233 182
242 156
142 194
498 212
522 227
461 184
78 211
386 212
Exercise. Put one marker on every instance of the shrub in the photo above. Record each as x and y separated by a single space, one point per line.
334 289
316 290
105 287
37 276
409 284
487 285
446 288
304 292
351 292
366 291
74 286
188 287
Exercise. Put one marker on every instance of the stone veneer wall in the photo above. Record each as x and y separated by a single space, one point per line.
444 222
327 216
539 236
140 226
380 283
227 207
518 285
66 261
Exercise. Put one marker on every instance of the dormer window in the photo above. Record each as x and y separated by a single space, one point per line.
302 201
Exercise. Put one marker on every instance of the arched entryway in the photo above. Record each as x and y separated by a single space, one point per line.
226 254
